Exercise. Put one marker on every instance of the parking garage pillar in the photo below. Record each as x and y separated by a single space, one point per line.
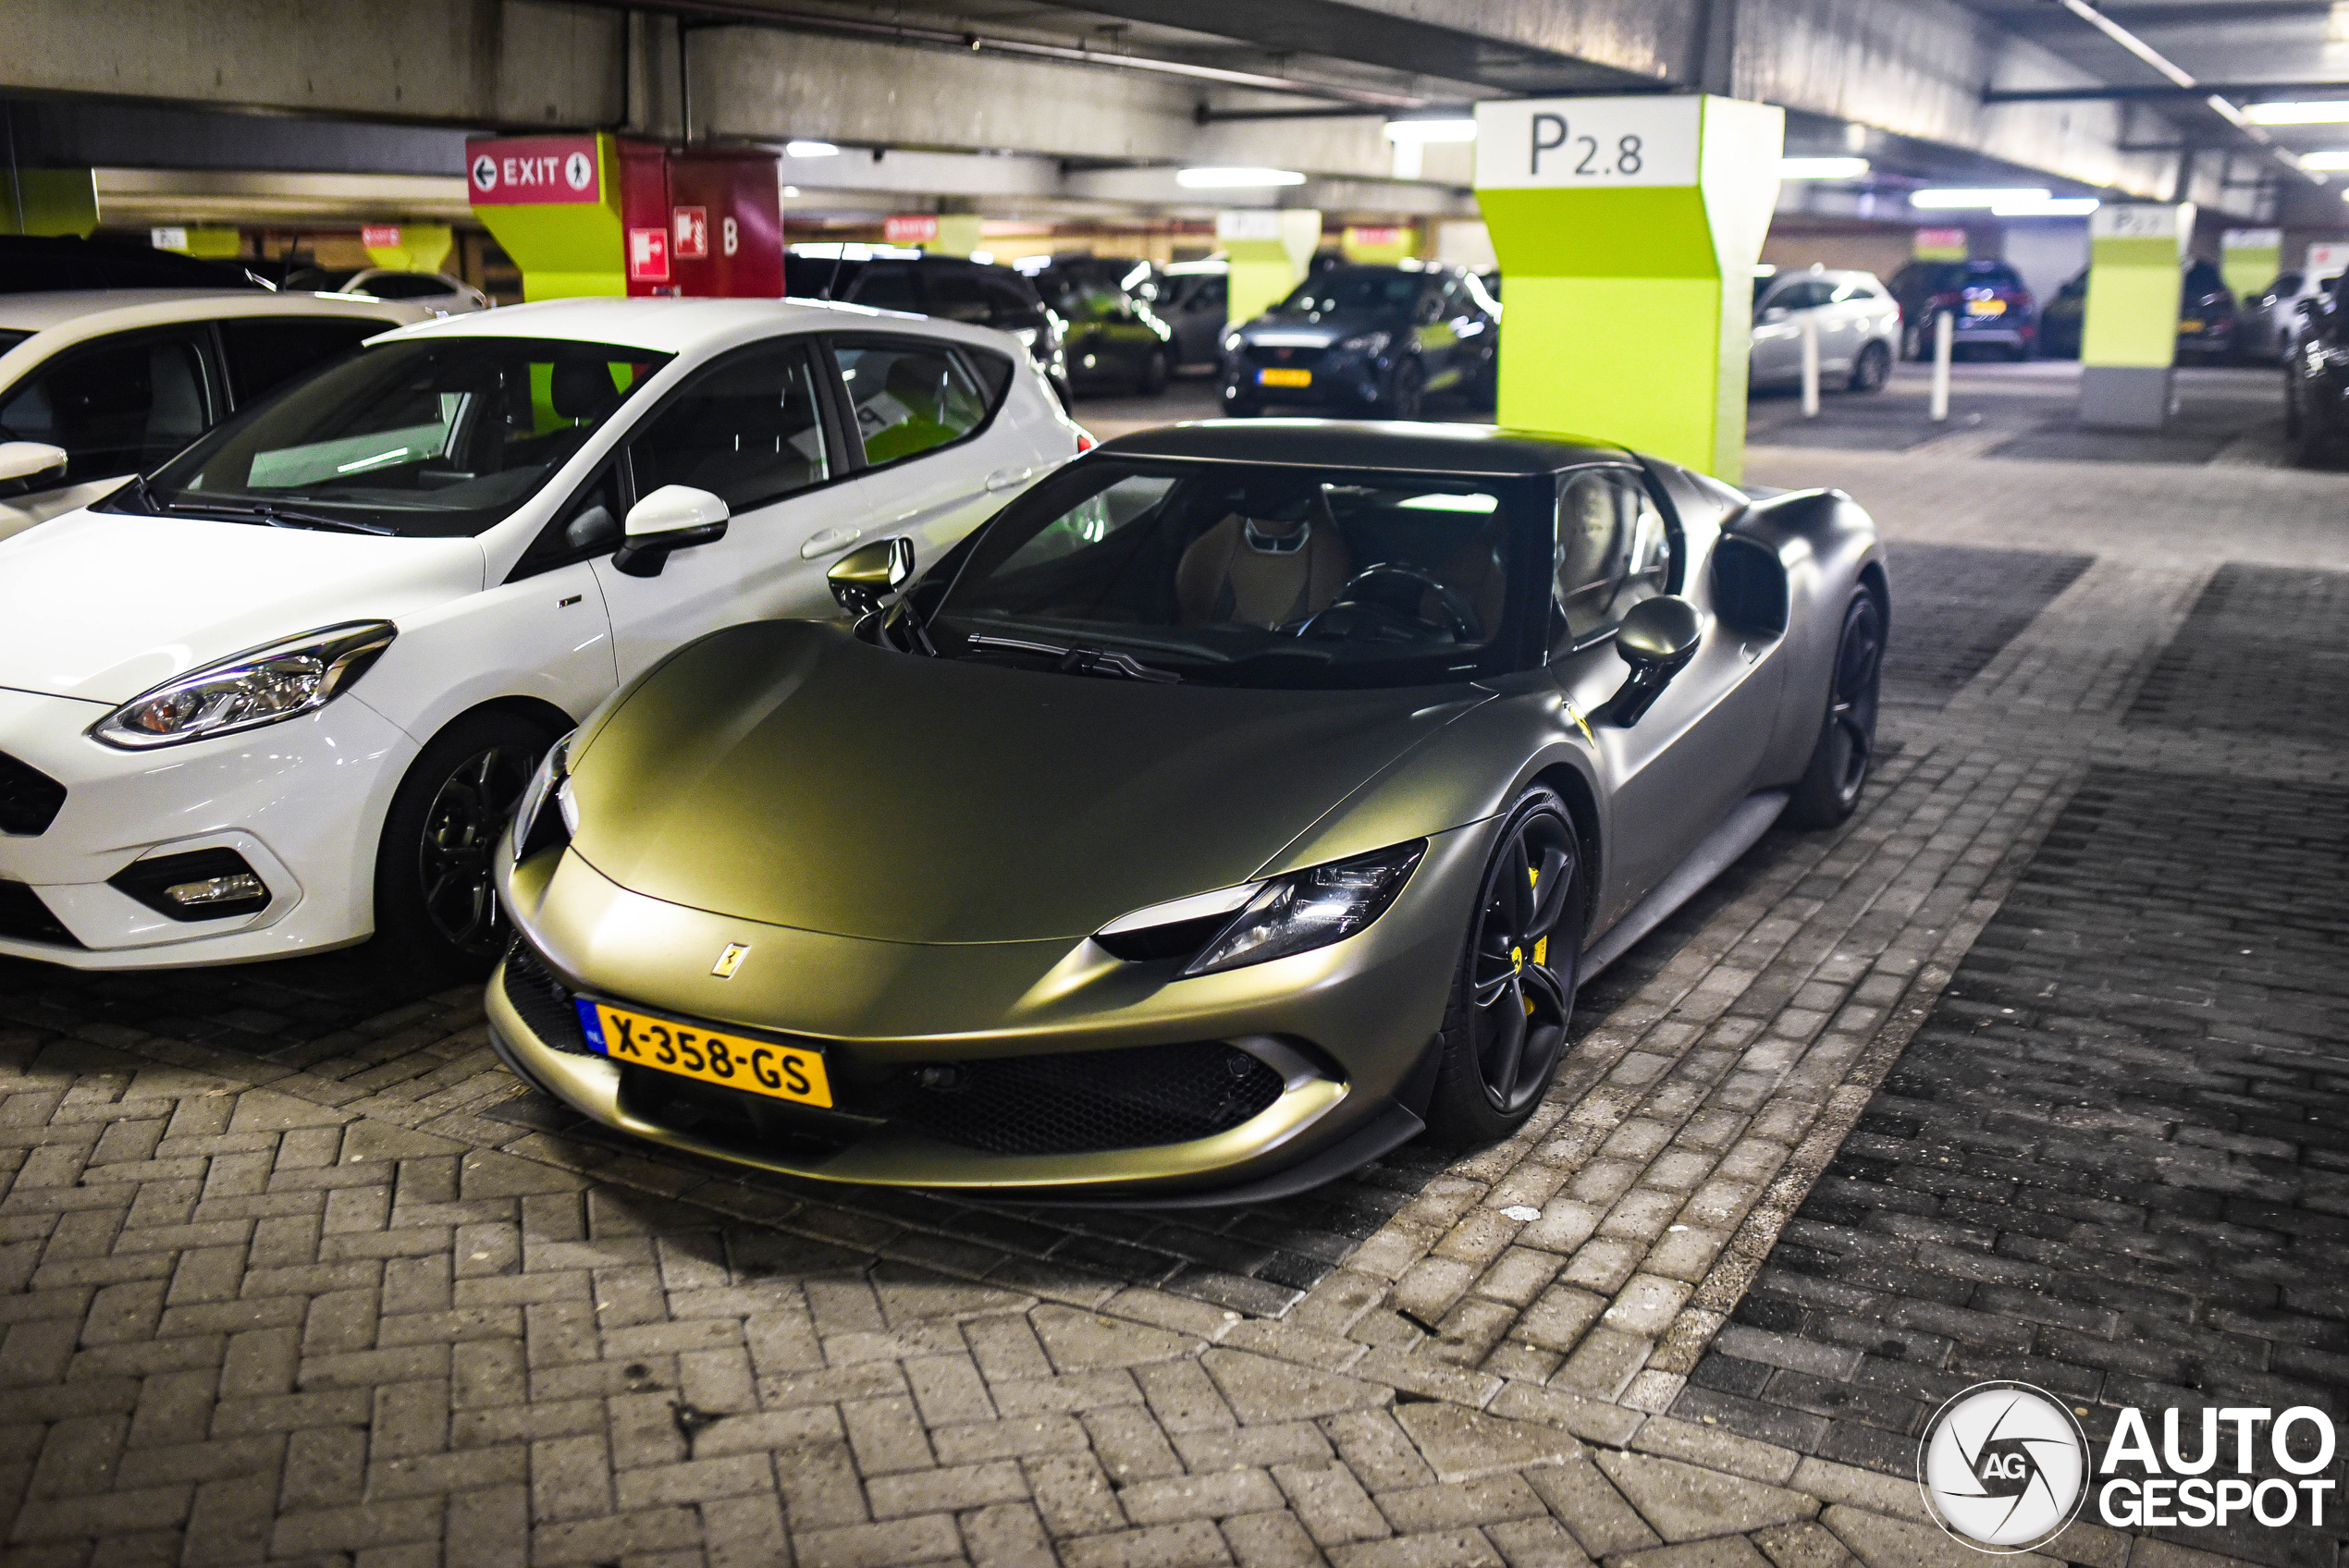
1627 229
48 201
2128 339
1269 251
409 247
2249 259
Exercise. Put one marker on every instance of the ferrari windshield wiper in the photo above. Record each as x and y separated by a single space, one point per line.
276 516
1076 660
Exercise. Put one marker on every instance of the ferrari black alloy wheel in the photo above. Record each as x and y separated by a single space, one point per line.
434 899
1829 789
1505 1029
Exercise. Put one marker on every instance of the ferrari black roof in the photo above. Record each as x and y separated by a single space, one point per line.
1374 444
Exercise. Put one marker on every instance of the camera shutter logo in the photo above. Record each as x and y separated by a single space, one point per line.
2004 1466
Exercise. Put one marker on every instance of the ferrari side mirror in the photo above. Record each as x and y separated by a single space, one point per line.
672 518
869 573
1657 638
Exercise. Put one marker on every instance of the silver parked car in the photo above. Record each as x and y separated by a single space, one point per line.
2269 318
1859 328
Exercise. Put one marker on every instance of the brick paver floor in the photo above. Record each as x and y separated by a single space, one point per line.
292 1272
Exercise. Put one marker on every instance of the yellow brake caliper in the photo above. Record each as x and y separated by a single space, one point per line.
1542 948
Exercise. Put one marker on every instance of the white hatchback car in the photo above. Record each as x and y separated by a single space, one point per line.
112 381
285 692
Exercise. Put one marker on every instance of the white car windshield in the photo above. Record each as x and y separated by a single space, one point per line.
434 437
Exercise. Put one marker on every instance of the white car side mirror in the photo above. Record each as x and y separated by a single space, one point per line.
674 517
31 465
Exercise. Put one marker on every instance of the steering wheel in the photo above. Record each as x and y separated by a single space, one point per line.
1393 592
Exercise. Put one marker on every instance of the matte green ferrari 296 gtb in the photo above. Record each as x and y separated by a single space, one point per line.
1238 803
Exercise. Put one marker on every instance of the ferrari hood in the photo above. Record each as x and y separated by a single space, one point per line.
785 773
102 606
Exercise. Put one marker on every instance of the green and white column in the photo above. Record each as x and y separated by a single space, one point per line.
1269 250
2129 340
2249 259
1627 231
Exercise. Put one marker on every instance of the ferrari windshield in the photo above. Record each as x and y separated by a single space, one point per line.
436 436
1255 575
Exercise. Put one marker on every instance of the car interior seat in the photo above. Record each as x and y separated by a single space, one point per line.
1263 571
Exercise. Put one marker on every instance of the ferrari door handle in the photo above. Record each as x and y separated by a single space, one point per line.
1005 478
830 539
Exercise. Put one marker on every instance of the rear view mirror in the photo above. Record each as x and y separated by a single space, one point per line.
869 573
26 466
1657 638
674 517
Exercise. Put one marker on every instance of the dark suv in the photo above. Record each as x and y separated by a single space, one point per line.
1986 299
1116 335
891 277
1371 339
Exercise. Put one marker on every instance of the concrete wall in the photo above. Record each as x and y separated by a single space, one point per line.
480 62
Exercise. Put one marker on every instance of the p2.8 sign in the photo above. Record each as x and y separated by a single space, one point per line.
1587 143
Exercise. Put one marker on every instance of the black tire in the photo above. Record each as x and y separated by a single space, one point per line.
1829 789
1505 1029
1406 392
1872 369
1150 380
435 911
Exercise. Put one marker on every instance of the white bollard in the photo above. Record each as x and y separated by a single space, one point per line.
1810 364
1944 325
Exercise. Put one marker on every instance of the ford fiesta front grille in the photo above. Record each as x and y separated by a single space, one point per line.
26 918
29 798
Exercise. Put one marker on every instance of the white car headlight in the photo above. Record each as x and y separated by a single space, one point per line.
1366 343
1231 341
261 686
535 827
1261 921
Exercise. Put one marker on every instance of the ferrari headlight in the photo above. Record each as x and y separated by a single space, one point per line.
1310 909
1366 343
535 826
280 680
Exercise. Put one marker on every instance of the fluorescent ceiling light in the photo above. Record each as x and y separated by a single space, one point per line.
1987 196
2047 207
2337 159
1234 179
1822 168
1431 131
809 150
2332 112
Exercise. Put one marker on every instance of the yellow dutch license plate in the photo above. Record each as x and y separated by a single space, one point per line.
1283 378
2189 326
707 1055
1986 307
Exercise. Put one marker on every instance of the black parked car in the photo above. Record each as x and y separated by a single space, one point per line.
39 264
2316 379
2206 314
1115 335
1987 300
2061 320
1371 339
890 277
